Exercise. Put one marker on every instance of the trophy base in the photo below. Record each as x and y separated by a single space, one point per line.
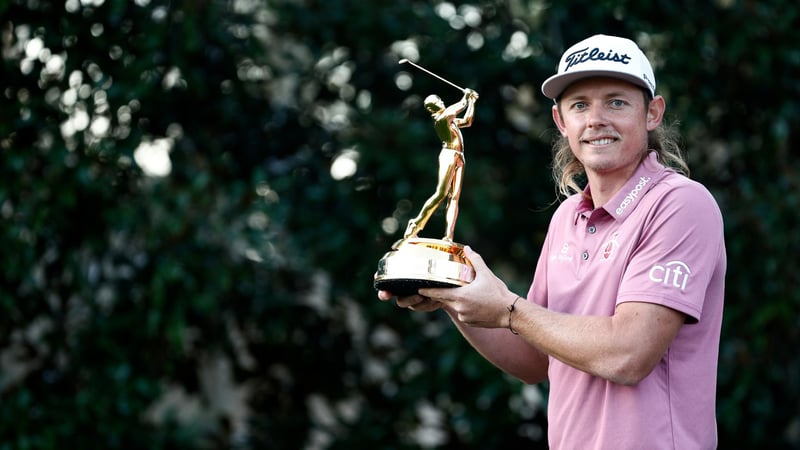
416 263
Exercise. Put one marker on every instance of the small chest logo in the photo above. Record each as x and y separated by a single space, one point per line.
673 273
610 248
563 255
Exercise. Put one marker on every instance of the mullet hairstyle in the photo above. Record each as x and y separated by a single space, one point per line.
664 140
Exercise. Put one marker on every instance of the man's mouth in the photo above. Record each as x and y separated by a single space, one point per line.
600 141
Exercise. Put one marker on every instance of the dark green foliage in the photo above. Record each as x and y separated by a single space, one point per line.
229 303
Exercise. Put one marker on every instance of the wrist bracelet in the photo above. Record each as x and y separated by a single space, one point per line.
511 309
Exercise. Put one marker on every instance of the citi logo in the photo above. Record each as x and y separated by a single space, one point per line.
673 273
632 194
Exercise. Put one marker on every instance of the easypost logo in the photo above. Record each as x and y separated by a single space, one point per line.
632 194
673 273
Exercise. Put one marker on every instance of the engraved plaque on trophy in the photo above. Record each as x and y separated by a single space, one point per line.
414 262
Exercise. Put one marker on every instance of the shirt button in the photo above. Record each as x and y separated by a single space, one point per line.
585 256
592 229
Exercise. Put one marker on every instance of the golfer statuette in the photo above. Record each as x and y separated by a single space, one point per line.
415 262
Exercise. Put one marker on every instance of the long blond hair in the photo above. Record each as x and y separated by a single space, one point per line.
664 140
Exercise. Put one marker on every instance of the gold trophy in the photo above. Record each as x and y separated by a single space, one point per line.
415 262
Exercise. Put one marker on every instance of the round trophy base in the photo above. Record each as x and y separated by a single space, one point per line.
416 263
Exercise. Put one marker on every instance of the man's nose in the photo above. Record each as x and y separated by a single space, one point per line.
596 117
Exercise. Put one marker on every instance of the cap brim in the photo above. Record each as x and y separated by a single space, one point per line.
554 86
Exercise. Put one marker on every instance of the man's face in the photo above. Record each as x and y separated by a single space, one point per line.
606 123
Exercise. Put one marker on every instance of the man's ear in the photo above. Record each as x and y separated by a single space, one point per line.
655 112
559 121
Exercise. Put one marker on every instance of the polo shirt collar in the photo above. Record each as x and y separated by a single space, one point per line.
620 206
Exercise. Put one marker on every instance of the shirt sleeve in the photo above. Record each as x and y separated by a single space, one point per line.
679 248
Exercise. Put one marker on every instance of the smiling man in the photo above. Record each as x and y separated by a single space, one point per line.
624 313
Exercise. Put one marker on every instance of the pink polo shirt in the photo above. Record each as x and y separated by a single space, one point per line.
659 240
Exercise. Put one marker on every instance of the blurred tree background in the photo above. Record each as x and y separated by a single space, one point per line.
195 195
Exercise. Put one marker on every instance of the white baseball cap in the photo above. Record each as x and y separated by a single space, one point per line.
603 56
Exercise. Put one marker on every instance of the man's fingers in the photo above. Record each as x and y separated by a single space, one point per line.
384 295
442 295
474 257
411 300
403 302
426 305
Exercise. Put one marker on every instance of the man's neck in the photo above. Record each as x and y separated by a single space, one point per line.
605 186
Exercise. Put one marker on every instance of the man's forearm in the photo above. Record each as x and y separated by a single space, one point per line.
506 351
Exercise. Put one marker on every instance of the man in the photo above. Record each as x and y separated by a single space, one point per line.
451 160
624 313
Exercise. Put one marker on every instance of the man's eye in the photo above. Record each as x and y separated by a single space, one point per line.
618 103
579 105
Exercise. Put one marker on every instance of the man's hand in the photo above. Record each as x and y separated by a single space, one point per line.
482 303
412 302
